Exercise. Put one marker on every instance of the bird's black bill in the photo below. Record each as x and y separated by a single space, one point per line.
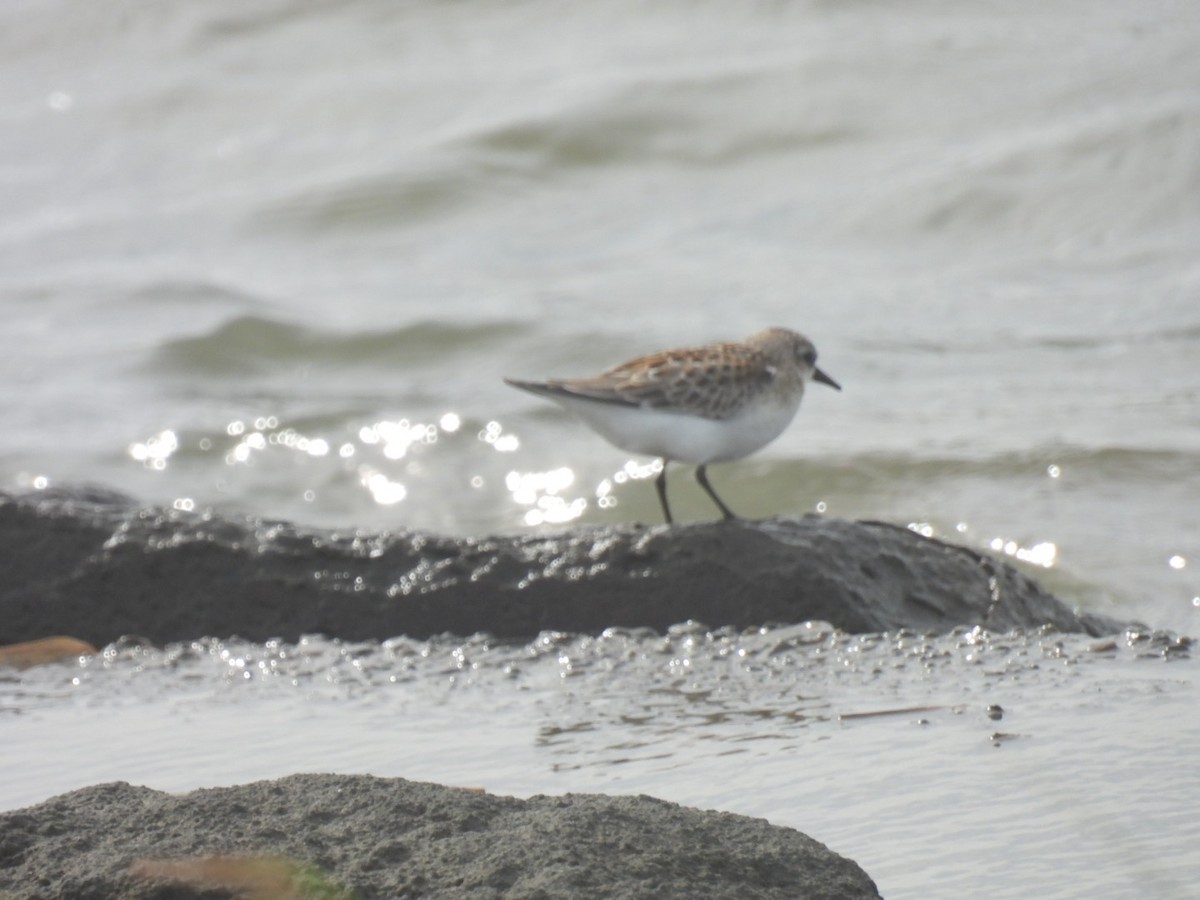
820 376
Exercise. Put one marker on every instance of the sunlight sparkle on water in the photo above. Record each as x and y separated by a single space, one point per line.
604 494
244 449
383 490
527 487
493 433
541 491
36 482
636 471
1044 554
555 511
397 437
154 452
292 440
240 442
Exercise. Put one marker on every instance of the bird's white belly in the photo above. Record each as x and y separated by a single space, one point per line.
681 437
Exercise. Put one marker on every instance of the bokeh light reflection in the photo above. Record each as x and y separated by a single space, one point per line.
493 433
1044 554
154 452
541 491
383 490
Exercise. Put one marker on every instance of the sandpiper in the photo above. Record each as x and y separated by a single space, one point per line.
695 405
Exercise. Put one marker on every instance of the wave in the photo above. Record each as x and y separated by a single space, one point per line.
669 121
250 344
645 123
908 345
187 292
373 201
1117 170
1102 461
874 473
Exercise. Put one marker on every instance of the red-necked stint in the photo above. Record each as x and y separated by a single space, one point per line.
695 405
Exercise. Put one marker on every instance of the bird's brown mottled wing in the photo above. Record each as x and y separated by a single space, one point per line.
711 381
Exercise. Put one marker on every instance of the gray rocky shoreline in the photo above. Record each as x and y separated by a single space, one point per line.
93 565
366 837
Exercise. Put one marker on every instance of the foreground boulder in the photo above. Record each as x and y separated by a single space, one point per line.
90 564
370 837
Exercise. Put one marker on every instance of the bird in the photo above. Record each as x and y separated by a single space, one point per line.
694 405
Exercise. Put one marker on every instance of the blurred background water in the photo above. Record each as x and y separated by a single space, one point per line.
274 259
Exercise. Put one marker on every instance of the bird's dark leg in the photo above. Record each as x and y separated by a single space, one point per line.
661 484
702 477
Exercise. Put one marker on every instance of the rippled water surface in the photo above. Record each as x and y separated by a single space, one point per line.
972 764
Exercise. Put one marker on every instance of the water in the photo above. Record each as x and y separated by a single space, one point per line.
276 259
1033 764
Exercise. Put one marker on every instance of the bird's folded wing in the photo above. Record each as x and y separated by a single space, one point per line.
711 381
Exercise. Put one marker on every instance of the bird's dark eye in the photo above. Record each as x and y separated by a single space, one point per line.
808 356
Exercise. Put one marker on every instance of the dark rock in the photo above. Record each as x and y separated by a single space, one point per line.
390 838
94 566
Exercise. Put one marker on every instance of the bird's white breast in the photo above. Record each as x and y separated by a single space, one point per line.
682 437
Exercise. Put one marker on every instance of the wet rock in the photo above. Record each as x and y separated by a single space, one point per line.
93 565
388 838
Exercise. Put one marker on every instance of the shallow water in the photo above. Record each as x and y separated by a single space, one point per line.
1004 765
